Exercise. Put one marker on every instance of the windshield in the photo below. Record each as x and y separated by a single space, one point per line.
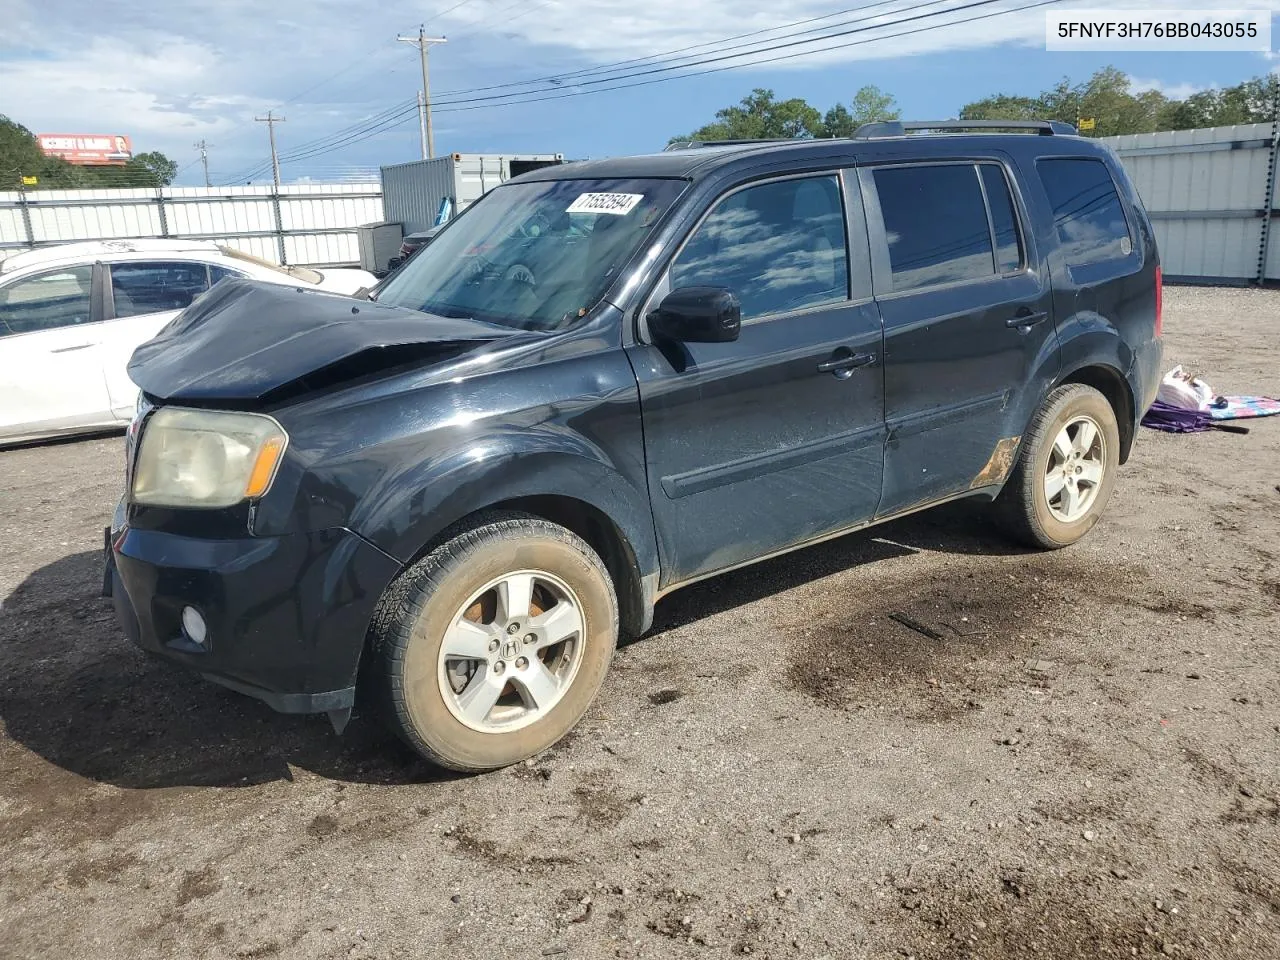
537 255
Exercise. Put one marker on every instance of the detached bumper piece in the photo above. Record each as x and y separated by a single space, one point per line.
281 619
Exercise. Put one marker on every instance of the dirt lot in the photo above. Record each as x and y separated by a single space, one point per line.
1087 764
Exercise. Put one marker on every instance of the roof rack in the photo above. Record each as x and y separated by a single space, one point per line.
899 128
694 144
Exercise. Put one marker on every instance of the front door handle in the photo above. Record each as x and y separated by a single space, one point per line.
844 361
1027 318
78 346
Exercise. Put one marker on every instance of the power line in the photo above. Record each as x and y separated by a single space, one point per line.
481 103
335 138
342 137
767 48
670 54
364 60
790 56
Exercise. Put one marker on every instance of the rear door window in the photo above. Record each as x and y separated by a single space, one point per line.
1087 212
46 301
935 224
778 246
145 287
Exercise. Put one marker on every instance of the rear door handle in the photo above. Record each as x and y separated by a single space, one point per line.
1027 318
844 361
78 346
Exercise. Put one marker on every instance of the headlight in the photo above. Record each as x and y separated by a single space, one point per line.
206 458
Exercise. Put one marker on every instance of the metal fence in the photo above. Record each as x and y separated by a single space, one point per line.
312 223
1211 197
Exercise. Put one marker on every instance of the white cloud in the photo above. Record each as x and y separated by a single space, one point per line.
1174 91
168 74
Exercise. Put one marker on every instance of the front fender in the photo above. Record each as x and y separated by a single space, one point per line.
408 510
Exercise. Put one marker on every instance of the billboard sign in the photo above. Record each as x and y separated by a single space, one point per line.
87 149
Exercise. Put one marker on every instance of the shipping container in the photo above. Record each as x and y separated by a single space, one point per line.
412 193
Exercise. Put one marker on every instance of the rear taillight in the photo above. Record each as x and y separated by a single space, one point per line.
1159 302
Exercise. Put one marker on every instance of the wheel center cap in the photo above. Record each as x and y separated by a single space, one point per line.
510 648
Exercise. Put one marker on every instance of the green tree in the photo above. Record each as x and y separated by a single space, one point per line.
1106 97
21 156
760 116
1252 101
869 104
158 165
1001 107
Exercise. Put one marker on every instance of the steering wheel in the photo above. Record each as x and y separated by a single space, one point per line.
520 274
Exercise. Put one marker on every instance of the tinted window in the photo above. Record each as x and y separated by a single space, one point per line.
140 288
779 246
935 223
1004 217
46 301
1086 210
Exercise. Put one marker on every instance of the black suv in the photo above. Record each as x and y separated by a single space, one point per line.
609 379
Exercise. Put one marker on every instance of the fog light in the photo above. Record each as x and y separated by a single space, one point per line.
194 625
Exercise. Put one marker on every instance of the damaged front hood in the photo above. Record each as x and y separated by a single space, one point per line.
246 340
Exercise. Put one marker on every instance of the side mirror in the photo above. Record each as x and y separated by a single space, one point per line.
697 315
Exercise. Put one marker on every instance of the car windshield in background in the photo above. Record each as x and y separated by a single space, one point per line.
533 255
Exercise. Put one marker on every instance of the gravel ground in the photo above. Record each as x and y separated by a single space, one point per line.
1085 765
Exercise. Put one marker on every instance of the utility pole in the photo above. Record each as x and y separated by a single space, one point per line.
204 159
422 41
271 122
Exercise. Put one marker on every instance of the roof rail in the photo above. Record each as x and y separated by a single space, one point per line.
899 128
694 144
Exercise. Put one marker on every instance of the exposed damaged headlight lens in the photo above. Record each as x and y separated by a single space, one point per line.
206 458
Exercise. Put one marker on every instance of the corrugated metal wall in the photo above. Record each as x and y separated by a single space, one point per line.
411 192
1206 192
303 224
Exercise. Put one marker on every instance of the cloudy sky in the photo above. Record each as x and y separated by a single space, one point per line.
578 77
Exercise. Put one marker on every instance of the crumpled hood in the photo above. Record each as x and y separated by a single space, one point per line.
245 340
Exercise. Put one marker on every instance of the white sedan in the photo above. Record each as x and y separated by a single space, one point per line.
72 315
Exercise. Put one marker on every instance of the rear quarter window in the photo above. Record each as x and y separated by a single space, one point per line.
1087 212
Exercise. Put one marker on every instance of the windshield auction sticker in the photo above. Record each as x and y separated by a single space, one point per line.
1185 30
619 204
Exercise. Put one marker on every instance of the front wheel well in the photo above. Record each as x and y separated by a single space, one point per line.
607 540
1109 382
594 526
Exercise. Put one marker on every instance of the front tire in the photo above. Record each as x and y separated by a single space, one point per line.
492 647
1066 469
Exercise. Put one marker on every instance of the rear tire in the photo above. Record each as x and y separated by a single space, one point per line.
1065 472
492 647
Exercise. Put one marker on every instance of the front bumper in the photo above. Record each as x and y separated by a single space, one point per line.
286 616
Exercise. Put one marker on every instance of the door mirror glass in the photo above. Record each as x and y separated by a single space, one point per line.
697 315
